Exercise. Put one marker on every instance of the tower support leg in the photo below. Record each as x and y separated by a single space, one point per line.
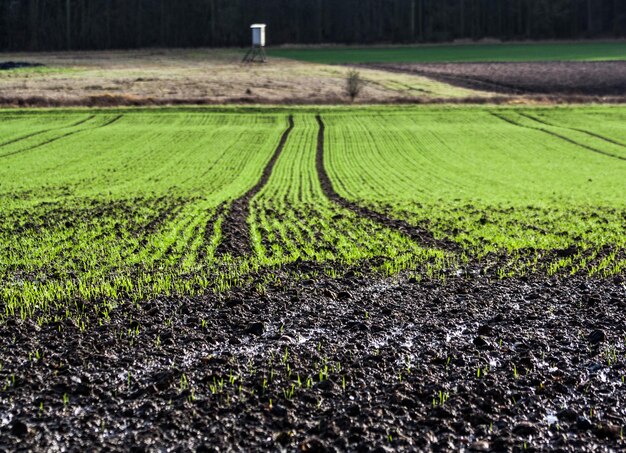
255 54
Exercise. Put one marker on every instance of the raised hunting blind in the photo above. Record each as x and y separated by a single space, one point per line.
257 51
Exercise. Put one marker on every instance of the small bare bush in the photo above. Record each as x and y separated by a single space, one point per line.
354 84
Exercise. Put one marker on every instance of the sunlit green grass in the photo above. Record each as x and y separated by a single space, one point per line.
103 207
292 218
36 71
490 185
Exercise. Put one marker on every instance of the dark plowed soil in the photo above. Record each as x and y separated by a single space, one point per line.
326 365
422 236
235 228
602 78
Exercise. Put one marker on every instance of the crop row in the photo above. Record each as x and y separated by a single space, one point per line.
127 210
292 219
490 185
128 205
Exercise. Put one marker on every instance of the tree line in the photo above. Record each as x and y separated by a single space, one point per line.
122 24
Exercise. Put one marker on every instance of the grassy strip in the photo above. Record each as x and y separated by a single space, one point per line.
579 51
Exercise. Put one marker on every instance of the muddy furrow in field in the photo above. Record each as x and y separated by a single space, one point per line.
554 134
421 236
54 139
584 131
235 228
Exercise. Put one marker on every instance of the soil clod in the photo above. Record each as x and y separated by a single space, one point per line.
256 328
19 428
597 336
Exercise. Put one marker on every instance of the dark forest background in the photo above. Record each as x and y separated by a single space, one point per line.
103 24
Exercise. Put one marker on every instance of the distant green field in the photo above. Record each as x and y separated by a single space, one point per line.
102 206
583 51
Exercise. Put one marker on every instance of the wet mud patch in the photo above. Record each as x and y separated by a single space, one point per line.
325 365
600 78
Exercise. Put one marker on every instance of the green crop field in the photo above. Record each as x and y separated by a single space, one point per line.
98 207
582 51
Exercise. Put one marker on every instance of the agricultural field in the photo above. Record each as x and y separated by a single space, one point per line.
199 76
459 53
313 278
511 74
99 206
603 80
561 71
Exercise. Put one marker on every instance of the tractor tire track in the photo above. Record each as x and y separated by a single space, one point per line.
235 229
591 134
54 139
554 134
421 236
34 134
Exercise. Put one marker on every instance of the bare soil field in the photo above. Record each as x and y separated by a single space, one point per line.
330 365
320 356
162 77
603 78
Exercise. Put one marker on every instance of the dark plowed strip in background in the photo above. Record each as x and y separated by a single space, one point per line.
423 237
593 78
450 78
235 228
562 137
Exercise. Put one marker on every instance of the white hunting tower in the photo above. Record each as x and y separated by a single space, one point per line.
257 51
